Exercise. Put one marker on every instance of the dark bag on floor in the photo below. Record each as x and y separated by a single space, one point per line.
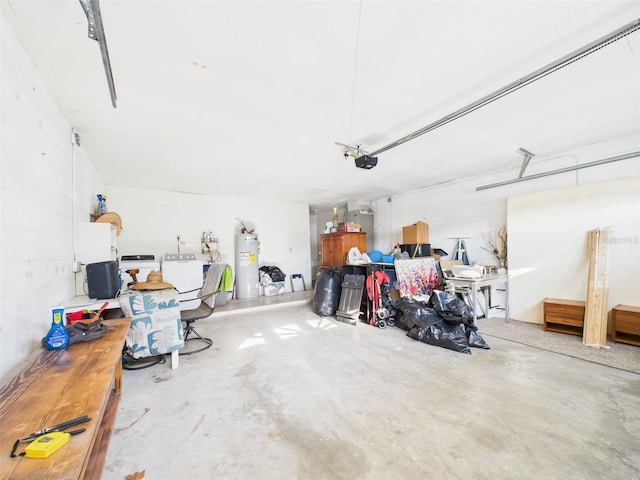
451 308
443 334
326 295
474 338
414 313
274 273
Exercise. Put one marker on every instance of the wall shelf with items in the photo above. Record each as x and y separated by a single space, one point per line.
211 250
208 242
210 246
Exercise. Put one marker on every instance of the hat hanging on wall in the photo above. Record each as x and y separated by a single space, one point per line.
113 218
154 282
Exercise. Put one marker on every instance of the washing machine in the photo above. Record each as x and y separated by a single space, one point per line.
184 271
143 263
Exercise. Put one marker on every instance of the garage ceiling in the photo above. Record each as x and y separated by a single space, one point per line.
249 98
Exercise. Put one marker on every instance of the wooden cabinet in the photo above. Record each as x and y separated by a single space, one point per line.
334 247
625 323
564 316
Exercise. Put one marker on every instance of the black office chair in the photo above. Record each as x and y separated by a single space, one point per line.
206 303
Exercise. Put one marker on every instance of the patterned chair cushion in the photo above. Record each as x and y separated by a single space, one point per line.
155 328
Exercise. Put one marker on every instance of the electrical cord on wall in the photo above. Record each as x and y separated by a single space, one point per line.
74 142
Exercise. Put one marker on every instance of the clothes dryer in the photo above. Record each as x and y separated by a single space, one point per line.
185 272
143 263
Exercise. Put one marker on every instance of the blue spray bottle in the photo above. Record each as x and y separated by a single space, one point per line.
58 336
102 204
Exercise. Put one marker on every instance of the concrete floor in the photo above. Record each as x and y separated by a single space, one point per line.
286 394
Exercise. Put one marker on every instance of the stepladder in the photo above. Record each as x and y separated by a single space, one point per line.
297 276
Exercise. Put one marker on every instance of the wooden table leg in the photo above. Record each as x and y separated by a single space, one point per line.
118 379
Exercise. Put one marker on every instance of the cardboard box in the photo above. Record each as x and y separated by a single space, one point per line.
275 288
349 227
416 233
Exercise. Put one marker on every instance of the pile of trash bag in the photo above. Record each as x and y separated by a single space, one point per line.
444 320
271 274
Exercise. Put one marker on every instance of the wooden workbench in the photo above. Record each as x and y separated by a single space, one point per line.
54 386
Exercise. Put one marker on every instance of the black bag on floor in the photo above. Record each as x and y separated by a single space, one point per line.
443 334
451 308
326 295
414 313
474 338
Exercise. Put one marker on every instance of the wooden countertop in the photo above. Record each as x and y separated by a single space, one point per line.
56 386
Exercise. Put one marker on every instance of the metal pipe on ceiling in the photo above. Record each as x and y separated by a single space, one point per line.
561 170
513 86
96 32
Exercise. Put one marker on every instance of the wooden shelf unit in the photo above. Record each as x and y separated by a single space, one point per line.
625 323
564 316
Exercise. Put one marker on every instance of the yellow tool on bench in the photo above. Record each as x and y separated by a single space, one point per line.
48 440
45 445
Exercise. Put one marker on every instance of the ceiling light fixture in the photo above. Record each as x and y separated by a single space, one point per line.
96 32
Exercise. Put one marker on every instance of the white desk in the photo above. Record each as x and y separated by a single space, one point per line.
83 302
475 284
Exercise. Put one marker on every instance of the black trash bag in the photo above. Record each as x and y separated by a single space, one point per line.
413 313
451 308
274 273
474 338
443 334
326 294
400 320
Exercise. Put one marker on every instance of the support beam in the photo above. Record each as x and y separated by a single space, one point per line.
525 161
522 82
561 170
96 32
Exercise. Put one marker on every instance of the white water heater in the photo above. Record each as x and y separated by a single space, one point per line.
247 272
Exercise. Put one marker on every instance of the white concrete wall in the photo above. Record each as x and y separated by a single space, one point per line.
152 221
36 203
552 260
